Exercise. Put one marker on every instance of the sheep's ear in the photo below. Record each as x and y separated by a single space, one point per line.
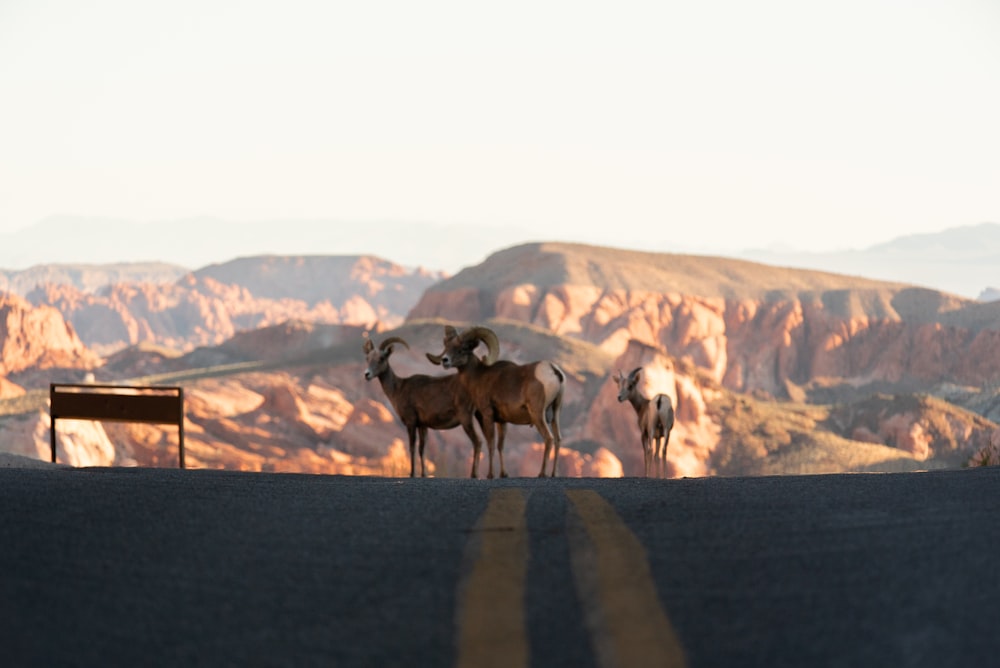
368 345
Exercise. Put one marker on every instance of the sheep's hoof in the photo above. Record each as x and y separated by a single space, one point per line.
503 474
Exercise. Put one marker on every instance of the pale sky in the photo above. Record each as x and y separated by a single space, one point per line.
709 124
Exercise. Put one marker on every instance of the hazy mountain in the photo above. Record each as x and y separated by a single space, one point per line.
197 242
87 277
990 294
961 260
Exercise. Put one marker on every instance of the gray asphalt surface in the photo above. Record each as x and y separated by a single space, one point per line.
160 567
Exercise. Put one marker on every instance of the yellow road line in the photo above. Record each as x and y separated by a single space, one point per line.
491 620
622 611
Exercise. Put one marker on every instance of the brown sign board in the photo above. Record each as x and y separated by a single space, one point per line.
116 403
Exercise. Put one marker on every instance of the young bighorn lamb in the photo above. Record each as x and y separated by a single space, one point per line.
422 402
505 392
655 417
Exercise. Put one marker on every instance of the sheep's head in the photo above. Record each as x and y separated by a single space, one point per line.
377 358
459 348
626 384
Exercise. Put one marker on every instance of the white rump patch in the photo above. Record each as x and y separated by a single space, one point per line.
551 379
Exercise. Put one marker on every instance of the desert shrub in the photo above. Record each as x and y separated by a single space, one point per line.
988 455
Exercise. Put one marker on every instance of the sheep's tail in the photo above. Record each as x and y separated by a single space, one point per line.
552 409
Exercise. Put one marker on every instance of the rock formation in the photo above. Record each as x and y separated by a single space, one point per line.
211 305
742 349
38 339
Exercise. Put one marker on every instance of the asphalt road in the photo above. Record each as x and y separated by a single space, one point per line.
148 567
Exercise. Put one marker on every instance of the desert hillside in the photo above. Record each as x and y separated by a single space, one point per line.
551 264
771 370
751 326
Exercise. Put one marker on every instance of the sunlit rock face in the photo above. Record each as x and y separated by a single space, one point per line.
751 327
38 338
211 305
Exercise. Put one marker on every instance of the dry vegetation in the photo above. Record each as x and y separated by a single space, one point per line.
766 437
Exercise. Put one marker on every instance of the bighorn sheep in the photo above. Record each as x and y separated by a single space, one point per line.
422 402
655 417
506 392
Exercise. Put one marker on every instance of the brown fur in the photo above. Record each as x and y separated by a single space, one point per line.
422 402
504 392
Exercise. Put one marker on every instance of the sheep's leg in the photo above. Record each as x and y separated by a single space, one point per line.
470 431
647 457
422 433
490 435
659 456
663 459
543 430
411 432
557 436
501 435
654 460
551 414
666 442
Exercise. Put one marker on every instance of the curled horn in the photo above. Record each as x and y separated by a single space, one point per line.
449 334
391 340
634 374
488 337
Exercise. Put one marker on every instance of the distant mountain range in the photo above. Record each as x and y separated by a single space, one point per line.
194 243
963 260
210 305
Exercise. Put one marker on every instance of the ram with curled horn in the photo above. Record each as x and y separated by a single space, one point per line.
504 392
421 401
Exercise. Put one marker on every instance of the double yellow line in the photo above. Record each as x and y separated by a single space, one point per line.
491 626
622 612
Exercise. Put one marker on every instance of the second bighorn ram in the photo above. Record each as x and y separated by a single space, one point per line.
505 392
655 417
422 402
